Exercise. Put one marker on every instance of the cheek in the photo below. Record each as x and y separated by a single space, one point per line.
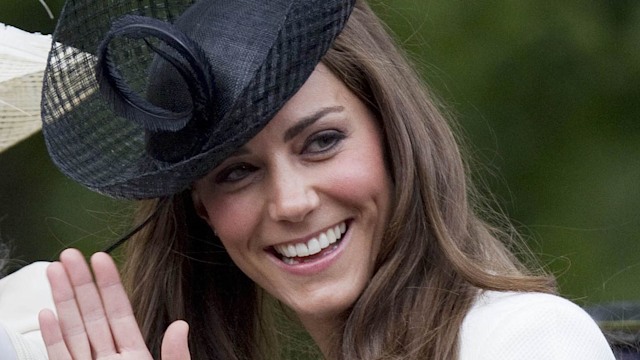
361 175
232 218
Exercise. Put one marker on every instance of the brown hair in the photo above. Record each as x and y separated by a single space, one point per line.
436 256
437 253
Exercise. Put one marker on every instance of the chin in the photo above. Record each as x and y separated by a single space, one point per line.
328 299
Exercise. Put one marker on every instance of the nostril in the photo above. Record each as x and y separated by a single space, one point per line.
293 206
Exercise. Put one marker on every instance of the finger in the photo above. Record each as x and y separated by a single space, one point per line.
69 318
124 326
89 303
52 336
175 344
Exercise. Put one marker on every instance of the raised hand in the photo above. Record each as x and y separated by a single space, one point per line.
95 319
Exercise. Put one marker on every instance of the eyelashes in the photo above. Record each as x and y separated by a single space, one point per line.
319 146
235 172
323 141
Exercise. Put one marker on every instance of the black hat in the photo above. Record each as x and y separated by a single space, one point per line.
143 97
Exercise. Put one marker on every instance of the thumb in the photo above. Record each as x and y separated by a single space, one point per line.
174 343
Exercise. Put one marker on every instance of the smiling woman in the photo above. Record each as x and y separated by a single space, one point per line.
317 166
286 152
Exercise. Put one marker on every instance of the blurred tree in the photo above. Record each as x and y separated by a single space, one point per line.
31 15
548 95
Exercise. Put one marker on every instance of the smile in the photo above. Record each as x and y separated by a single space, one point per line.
299 252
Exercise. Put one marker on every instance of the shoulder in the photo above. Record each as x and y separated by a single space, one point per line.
22 295
509 325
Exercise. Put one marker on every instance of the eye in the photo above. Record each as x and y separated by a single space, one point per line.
323 141
235 172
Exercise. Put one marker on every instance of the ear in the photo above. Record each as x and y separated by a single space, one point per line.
201 210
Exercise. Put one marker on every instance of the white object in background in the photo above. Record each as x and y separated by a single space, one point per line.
23 58
22 295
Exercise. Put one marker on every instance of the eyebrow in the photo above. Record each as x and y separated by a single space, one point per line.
308 121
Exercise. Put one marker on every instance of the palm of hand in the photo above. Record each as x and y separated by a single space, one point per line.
95 319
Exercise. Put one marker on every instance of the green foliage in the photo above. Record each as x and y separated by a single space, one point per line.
548 95
546 92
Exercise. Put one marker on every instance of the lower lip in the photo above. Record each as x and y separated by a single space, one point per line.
318 265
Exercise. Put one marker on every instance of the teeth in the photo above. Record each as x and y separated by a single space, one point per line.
324 239
290 261
313 246
291 250
302 250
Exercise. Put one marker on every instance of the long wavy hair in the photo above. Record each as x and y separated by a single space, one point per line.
437 253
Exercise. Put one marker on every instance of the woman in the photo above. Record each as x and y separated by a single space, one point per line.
329 182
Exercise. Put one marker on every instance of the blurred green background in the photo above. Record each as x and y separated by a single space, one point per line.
547 94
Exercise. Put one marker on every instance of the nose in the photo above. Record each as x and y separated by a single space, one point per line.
292 195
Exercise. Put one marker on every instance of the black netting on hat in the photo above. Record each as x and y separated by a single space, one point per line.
141 98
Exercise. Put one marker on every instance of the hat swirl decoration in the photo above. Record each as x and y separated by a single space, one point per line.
196 74
143 97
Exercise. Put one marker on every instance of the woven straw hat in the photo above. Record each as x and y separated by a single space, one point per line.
23 57
143 97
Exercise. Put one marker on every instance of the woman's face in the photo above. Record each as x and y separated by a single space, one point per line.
301 208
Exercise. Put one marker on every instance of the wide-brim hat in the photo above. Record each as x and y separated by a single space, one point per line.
143 97
23 57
